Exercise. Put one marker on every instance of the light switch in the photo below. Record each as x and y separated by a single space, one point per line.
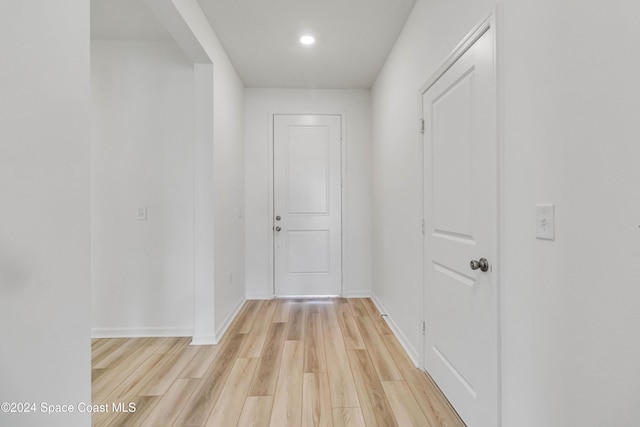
142 213
545 222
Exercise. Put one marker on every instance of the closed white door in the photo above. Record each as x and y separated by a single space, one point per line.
307 216
460 245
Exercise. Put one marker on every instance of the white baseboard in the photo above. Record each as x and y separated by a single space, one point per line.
259 296
140 332
402 338
354 294
204 340
220 331
358 294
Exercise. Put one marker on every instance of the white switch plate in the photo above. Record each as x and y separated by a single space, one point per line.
545 222
142 213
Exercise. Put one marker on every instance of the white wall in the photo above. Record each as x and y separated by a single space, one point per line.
44 209
219 168
142 155
228 158
355 104
228 170
570 99
571 125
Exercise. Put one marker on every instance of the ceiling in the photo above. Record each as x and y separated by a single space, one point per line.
353 37
124 20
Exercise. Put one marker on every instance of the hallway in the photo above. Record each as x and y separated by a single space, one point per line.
136 175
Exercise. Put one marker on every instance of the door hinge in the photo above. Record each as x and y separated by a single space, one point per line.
424 327
423 226
421 125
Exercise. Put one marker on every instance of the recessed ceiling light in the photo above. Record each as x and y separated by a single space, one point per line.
307 40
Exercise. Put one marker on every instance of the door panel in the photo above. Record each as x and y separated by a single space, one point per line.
451 118
307 198
307 165
309 251
460 194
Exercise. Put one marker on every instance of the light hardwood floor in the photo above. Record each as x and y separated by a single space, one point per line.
318 362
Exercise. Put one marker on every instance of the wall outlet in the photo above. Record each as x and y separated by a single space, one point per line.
142 213
545 222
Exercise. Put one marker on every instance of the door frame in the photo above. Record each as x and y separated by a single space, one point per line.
343 191
491 21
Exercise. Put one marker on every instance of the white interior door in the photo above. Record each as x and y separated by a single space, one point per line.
460 185
307 215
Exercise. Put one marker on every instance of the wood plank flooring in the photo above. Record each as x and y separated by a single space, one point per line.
317 362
